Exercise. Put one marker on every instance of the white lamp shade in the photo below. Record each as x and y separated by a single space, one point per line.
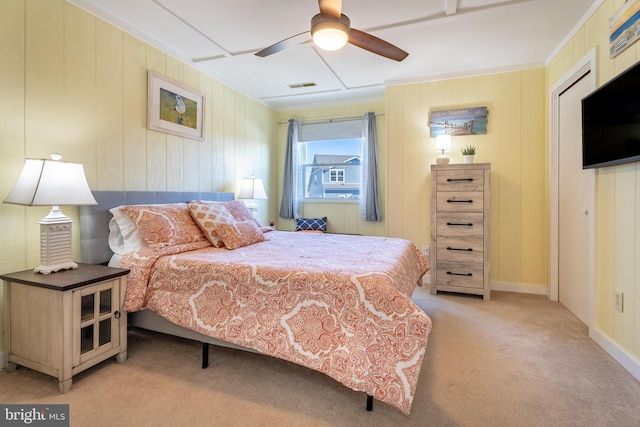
252 188
443 142
51 183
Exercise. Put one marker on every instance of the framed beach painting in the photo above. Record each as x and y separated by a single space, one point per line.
624 27
459 122
174 108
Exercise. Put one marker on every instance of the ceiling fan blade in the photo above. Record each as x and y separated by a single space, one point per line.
331 7
283 44
375 45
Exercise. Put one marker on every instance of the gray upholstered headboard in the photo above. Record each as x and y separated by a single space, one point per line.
94 220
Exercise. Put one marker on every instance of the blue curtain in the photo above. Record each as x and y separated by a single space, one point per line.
287 209
370 209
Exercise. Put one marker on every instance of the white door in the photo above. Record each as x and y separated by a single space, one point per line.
574 196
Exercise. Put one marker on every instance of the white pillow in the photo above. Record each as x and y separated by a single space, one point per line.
124 235
115 260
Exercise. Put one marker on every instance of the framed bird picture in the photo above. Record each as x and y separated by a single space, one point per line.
174 108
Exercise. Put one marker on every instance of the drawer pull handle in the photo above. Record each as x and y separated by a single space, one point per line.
459 179
459 201
465 225
459 274
459 249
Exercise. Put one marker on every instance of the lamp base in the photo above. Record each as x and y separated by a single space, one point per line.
55 243
46 269
442 160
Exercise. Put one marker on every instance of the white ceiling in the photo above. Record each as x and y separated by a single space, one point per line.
444 38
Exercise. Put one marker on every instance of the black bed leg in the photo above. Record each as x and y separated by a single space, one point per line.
205 355
369 403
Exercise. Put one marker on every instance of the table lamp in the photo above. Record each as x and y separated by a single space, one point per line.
252 189
53 183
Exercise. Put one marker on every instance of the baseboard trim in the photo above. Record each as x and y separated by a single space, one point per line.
619 354
522 288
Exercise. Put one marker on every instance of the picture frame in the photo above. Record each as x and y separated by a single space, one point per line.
174 108
459 122
624 27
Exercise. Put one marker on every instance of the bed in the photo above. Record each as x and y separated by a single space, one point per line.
339 304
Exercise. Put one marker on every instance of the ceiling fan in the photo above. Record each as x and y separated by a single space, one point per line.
331 30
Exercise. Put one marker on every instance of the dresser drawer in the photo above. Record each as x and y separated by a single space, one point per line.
466 275
460 201
460 225
460 180
460 249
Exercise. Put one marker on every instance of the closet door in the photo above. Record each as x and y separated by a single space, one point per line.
574 192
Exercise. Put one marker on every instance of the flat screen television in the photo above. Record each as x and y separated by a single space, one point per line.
611 122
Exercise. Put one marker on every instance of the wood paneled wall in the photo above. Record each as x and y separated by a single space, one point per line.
74 84
617 196
515 145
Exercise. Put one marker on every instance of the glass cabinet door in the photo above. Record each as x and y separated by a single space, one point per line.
96 314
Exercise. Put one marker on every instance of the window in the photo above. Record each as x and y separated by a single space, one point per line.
347 147
330 169
336 175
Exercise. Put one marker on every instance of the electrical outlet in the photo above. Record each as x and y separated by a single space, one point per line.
425 250
618 301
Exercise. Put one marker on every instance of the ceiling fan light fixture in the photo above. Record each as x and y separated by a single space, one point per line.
331 30
329 33
330 38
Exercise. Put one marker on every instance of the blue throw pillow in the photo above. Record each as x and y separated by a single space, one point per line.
316 224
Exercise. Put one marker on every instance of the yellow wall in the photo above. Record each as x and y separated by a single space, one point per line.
617 195
74 84
515 145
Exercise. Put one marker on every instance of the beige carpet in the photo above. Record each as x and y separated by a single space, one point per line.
518 360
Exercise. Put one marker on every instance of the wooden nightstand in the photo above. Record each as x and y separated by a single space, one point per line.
63 323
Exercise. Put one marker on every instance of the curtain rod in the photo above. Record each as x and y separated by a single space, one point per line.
331 120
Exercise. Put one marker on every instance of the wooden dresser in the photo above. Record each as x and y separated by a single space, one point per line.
460 206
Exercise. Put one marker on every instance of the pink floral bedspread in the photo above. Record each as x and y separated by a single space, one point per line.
334 303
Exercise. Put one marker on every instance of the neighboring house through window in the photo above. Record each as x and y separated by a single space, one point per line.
332 176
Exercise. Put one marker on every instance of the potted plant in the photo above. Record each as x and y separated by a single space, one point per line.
468 152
